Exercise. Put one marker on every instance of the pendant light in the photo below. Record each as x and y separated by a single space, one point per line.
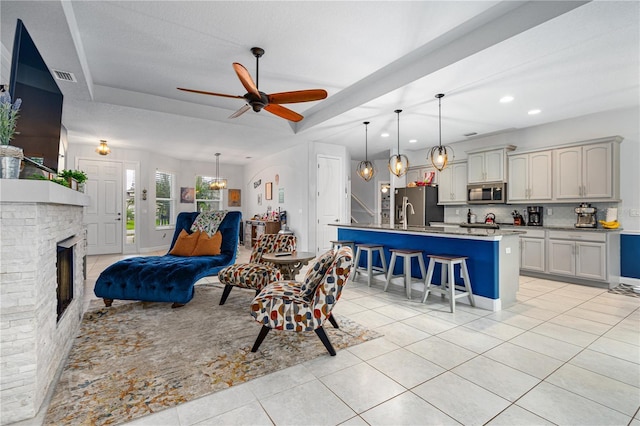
365 168
103 149
218 183
398 164
439 155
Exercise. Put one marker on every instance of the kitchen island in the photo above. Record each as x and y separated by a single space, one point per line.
493 254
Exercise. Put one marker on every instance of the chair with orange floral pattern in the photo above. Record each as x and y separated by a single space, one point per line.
294 306
257 273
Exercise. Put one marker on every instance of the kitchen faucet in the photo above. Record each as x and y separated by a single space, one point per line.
405 204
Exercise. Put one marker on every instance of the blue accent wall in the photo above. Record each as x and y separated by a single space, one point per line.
630 255
483 261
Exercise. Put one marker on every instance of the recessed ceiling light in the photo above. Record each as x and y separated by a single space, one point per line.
413 140
506 99
385 135
534 112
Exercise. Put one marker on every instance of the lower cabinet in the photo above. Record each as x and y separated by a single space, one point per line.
583 255
578 254
532 251
255 228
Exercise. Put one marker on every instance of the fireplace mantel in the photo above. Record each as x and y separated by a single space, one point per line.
39 191
35 216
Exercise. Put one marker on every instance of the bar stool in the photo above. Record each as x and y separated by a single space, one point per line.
407 255
336 244
370 270
448 285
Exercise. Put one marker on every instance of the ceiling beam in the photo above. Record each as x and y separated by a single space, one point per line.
501 22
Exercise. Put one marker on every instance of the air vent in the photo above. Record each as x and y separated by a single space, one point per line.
65 76
470 134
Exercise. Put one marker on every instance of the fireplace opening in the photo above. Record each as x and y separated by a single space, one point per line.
65 278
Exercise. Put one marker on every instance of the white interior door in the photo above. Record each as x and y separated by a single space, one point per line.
104 218
330 200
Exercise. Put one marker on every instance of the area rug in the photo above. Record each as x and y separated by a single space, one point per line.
626 290
138 358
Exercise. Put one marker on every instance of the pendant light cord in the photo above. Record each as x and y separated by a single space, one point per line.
398 111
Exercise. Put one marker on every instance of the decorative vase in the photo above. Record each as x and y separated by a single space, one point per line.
10 159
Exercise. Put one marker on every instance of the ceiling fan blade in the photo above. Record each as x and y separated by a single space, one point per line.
283 112
245 79
297 96
238 113
202 92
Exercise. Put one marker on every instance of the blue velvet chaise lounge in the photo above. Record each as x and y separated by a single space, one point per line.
168 278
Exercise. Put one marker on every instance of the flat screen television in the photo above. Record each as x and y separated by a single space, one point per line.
40 118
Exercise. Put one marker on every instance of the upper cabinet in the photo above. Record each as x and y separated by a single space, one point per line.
417 174
529 177
487 165
452 188
587 172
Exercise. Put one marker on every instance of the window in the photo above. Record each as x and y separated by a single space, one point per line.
207 199
165 199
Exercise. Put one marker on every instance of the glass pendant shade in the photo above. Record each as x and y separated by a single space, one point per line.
439 155
365 169
103 149
399 163
218 183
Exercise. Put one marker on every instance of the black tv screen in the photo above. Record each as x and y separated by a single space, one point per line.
40 116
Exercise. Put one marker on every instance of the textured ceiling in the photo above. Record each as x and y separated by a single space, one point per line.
565 58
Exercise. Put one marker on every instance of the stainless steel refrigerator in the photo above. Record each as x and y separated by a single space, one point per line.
424 200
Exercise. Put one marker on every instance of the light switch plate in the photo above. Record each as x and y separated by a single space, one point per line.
549 212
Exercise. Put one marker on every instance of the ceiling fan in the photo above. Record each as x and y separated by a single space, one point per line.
259 100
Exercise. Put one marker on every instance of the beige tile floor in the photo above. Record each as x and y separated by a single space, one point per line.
564 354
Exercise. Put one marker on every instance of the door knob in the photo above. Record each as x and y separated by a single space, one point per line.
119 219
337 220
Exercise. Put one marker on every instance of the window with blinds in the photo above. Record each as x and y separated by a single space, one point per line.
207 199
165 199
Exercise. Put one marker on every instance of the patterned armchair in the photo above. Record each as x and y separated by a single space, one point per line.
293 306
257 273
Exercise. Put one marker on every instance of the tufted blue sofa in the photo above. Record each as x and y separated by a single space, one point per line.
168 278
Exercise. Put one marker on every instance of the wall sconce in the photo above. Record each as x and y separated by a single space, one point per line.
103 149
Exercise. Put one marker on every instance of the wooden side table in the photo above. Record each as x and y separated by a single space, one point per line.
289 263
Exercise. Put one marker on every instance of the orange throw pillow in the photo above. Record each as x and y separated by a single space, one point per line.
185 244
208 246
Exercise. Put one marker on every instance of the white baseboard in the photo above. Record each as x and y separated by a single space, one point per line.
152 249
631 281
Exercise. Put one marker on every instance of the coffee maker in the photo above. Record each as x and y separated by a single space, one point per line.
586 216
534 214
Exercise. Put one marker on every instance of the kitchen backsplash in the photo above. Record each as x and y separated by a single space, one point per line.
561 214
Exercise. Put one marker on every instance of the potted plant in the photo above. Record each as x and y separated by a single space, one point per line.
76 178
10 156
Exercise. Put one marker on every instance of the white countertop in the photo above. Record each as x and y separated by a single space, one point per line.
543 227
437 231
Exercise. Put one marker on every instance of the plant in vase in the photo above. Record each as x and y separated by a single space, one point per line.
77 175
10 156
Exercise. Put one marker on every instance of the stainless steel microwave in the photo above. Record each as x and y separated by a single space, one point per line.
487 193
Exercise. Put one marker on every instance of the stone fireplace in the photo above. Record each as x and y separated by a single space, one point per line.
37 218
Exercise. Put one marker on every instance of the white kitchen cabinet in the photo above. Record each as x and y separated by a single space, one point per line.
532 251
417 174
452 187
579 254
586 172
529 177
488 165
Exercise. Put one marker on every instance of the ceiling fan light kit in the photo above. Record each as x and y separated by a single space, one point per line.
218 183
399 163
258 100
439 155
366 170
